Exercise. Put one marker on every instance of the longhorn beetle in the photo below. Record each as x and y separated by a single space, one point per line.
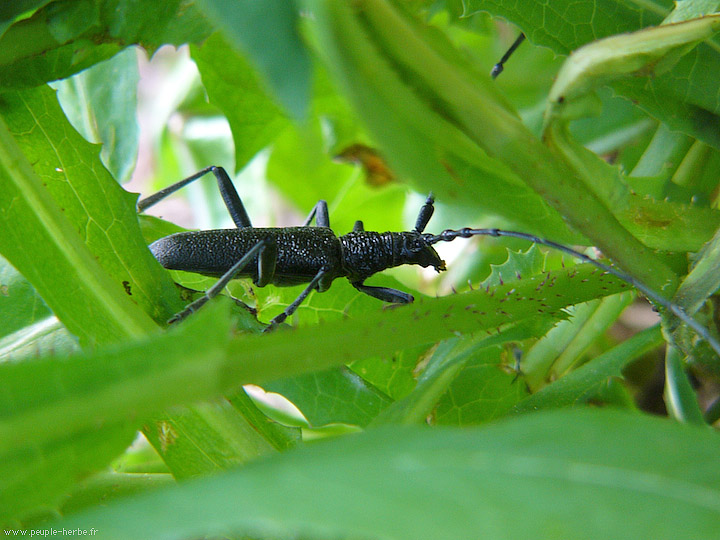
316 256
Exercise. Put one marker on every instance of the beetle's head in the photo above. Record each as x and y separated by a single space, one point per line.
412 248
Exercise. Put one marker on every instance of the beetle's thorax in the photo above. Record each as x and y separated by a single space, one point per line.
365 253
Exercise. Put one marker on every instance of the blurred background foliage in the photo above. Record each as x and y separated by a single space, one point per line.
163 90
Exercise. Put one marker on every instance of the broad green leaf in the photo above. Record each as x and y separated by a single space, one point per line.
104 487
35 477
668 225
233 86
686 97
105 113
64 38
173 22
445 368
43 459
392 374
485 389
569 474
333 396
72 173
9 11
19 302
283 61
196 361
70 280
645 52
223 435
568 24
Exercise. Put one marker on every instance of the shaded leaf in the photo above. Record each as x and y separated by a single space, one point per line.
582 384
64 38
578 470
106 113
333 396
566 25
283 60
71 172
233 86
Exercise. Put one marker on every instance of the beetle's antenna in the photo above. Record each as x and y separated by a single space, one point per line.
498 68
425 214
449 235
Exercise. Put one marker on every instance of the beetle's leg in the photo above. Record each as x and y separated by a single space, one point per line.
321 215
425 214
221 283
225 186
299 300
267 261
155 198
385 294
358 227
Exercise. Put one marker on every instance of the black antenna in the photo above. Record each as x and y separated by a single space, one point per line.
498 68
449 235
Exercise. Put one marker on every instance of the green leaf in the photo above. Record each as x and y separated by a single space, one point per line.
27 327
104 487
643 53
579 471
394 374
85 298
685 97
517 265
333 396
21 305
105 113
36 477
283 60
601 317
569 24
196 361
680 397
64 38
445 377
585 382
9 11
255 120
205 438
73 175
